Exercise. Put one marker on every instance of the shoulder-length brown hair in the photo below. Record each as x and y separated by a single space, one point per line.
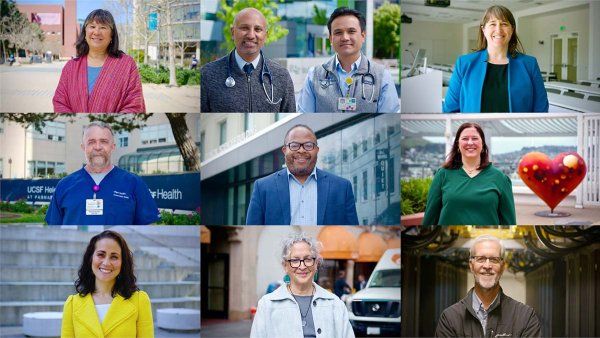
103 17
454 159
125 285
504 14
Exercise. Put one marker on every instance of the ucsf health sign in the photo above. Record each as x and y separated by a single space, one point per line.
172 191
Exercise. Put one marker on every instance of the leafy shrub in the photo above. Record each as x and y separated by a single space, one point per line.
414 195
184 77
169 218
19 206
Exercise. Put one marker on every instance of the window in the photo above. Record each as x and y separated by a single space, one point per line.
355 187
222 132
161 133
53 131
123 139
364 146
354 150
202 135
1 168
365 185
44 168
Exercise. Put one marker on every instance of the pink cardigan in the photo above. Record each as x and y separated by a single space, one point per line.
117 89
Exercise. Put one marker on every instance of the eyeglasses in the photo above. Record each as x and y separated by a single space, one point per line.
295 263
483 259
308 146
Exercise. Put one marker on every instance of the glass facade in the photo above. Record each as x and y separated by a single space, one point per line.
45 169
372 169
153 162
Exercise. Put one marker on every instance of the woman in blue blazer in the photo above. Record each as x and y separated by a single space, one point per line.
498 77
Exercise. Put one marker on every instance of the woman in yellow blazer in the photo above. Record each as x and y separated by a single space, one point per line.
108 304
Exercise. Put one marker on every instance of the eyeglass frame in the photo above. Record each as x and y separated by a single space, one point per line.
301 145
500 259
301 261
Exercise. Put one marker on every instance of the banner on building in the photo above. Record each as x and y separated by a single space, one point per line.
171 191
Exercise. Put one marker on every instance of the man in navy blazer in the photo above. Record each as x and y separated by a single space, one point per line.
301 194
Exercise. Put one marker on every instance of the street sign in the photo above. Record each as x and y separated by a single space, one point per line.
171 191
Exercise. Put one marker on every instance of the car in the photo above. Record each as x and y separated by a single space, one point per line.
375 310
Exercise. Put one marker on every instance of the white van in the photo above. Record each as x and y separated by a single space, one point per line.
375 310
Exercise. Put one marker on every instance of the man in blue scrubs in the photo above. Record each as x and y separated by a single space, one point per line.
101 193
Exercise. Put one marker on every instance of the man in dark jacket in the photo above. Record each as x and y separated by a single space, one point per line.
486 311
244 80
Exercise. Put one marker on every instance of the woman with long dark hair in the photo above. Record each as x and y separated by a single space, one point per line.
468 189
498 76
101 79
108 302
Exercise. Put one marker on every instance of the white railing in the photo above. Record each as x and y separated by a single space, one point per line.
591 154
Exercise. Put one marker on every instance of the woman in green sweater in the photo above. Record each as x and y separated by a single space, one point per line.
468 189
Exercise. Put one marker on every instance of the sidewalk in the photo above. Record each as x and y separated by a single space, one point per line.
586 216
215 328
30 88
17 332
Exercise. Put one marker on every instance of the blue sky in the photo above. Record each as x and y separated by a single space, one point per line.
84 7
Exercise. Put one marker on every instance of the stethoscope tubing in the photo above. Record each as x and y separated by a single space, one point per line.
230 81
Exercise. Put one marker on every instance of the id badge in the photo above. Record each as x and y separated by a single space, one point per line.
347 103
94 207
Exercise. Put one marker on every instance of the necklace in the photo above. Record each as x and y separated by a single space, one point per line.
470 171
302 316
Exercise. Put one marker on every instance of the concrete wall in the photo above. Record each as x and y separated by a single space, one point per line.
443 41
540 27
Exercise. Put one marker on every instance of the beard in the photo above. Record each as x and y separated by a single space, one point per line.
299 169
98 160
487 282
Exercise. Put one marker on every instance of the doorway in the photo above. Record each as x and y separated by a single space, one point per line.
215 292
564 56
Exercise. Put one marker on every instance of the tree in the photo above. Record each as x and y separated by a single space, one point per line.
165 7
18 31
320 16
142 31
386 27
122 12
266 7
123 122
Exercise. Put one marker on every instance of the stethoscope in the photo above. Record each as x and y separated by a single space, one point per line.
366 79
230 82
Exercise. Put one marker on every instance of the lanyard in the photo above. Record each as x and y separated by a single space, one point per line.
95 188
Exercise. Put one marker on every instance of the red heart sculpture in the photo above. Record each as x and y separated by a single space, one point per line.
552 180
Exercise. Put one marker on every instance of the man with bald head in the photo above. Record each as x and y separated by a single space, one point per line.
244 80
301 194
101 193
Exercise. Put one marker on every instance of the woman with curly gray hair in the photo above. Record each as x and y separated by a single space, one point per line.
301 308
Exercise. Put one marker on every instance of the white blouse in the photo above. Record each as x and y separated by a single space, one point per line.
102 309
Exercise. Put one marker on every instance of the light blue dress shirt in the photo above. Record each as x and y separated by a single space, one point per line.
241 62
482 314
303 199
388 97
